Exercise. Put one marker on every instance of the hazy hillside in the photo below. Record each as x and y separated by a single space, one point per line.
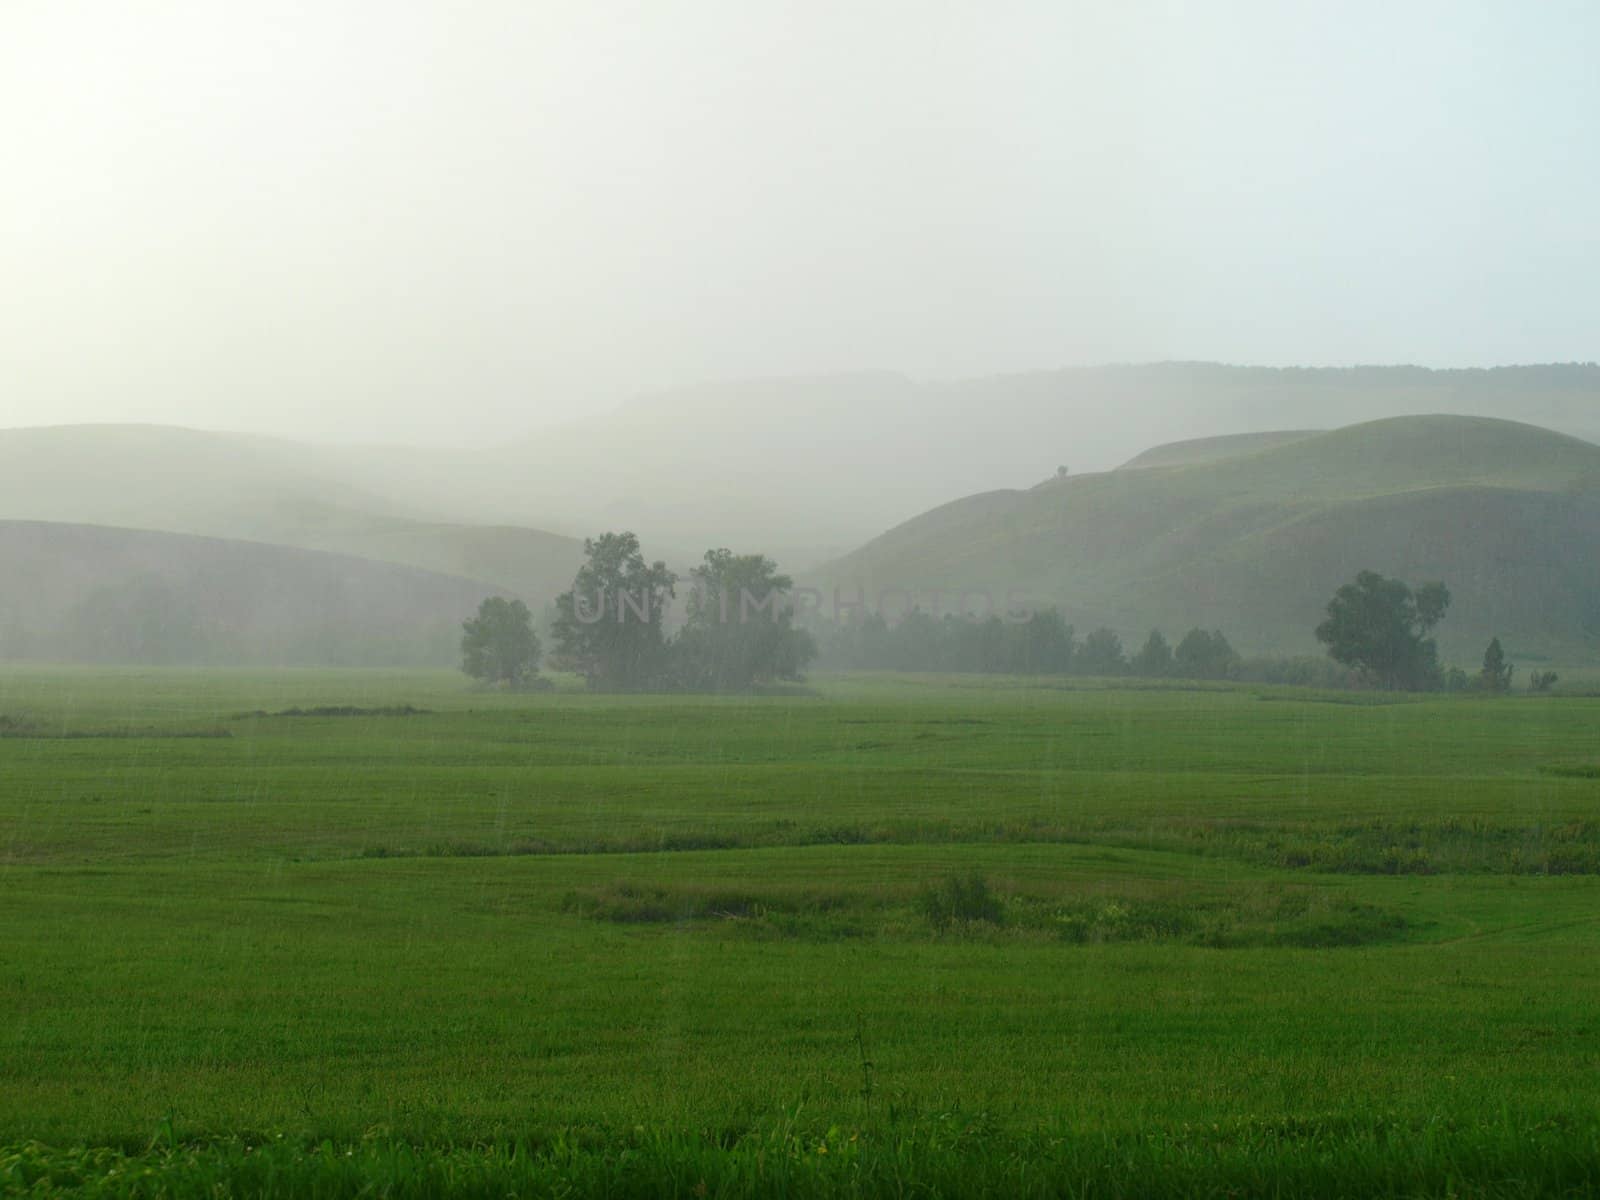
804 469
103 594
811 467
262 489
1506 513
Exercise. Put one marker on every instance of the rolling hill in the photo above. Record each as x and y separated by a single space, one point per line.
808 468
265 490
94 593
803 469
1255 540
1213 449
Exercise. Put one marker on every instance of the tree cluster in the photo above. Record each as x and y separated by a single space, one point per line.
611 626
740 630
1380 627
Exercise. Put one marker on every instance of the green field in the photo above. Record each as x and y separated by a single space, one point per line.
1249 939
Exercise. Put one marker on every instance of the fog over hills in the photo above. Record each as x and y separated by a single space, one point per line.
804 469
809 468
265 490
1255 542
1225 508
101 594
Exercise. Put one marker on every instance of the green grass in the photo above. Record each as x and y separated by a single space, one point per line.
561 944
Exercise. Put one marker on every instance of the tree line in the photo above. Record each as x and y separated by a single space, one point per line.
1042 644
741 632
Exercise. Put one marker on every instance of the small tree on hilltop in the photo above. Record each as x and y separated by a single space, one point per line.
1496 674
499 645
1380 627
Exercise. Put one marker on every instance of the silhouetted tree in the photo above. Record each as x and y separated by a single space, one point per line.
1203 655
1154 658
740 629
499 645
1380 627
1101 654
1496 674
1045 644
608 627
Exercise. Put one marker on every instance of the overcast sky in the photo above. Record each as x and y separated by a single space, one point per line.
442 220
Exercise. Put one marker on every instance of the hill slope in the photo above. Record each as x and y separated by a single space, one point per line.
1507 514
265 490
803 469
806 468
100 594
1213 449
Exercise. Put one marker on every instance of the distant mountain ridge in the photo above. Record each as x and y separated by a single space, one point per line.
1255 542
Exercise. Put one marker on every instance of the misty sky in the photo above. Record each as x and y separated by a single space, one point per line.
442 220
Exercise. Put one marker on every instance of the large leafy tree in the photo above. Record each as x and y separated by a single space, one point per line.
1380 627
608 626
740 629
499 645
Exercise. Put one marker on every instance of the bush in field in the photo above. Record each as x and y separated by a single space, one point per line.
1542 681
961 898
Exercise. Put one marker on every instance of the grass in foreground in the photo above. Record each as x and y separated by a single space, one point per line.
388 934
953 1156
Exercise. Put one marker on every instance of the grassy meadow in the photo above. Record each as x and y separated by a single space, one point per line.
345 933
